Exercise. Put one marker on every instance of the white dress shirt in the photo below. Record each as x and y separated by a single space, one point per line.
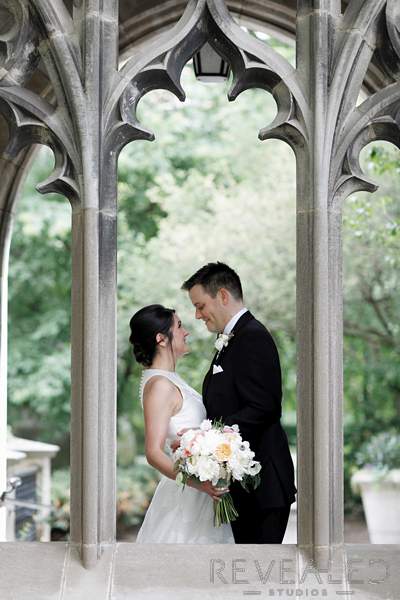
231 324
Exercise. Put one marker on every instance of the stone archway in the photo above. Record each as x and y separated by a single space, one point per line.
88 115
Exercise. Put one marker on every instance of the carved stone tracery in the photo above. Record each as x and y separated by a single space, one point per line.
30 25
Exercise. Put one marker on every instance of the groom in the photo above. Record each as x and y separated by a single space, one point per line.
243 386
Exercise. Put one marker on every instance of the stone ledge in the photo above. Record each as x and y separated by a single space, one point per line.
44 571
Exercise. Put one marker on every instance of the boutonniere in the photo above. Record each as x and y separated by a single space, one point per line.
222 341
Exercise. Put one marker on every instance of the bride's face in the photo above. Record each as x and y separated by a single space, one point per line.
179 335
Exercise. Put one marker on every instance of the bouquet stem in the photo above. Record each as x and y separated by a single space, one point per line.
224 510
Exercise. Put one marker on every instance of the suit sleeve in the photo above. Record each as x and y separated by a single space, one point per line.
258 384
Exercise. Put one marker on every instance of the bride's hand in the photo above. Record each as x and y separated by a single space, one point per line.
212 490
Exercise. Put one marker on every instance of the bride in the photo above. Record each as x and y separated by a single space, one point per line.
169 405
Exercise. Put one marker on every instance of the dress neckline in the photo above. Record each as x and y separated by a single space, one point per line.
162 370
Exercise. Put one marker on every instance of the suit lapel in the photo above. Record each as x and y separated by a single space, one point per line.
207 379
242 322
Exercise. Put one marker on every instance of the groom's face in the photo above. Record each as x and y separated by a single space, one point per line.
210 310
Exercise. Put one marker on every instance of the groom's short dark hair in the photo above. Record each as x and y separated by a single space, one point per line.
213 277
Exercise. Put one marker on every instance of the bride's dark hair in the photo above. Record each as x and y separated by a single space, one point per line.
145 324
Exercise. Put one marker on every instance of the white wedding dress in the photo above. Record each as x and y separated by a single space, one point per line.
176 515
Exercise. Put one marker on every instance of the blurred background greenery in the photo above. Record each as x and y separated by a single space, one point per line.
207 189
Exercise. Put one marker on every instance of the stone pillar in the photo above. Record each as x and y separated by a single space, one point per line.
334 51
319 321
80 54
93 408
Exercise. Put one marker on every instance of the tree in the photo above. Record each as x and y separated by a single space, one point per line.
372 306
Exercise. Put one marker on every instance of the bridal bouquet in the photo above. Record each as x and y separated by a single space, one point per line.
217 453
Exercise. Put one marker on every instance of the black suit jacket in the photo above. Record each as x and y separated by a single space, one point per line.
249 392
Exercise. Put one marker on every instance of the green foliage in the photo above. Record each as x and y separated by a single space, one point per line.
60 499
135 177
205 187
357 433
39 309
383 159
382 451
136 486
372 304
371 309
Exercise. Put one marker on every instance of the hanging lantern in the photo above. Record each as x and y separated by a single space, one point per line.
209 66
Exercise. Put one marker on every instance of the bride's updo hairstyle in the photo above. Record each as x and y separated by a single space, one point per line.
145 324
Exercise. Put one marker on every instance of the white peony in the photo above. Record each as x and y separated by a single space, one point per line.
209 442
196 447
208 469
192 465
188 437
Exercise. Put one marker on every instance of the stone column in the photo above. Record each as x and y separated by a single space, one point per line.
319 321
80 54
93 408
334 52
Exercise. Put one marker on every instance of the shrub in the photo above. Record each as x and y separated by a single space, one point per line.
381 451
135 488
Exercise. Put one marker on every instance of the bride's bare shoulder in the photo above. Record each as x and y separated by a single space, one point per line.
158 383
160 389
